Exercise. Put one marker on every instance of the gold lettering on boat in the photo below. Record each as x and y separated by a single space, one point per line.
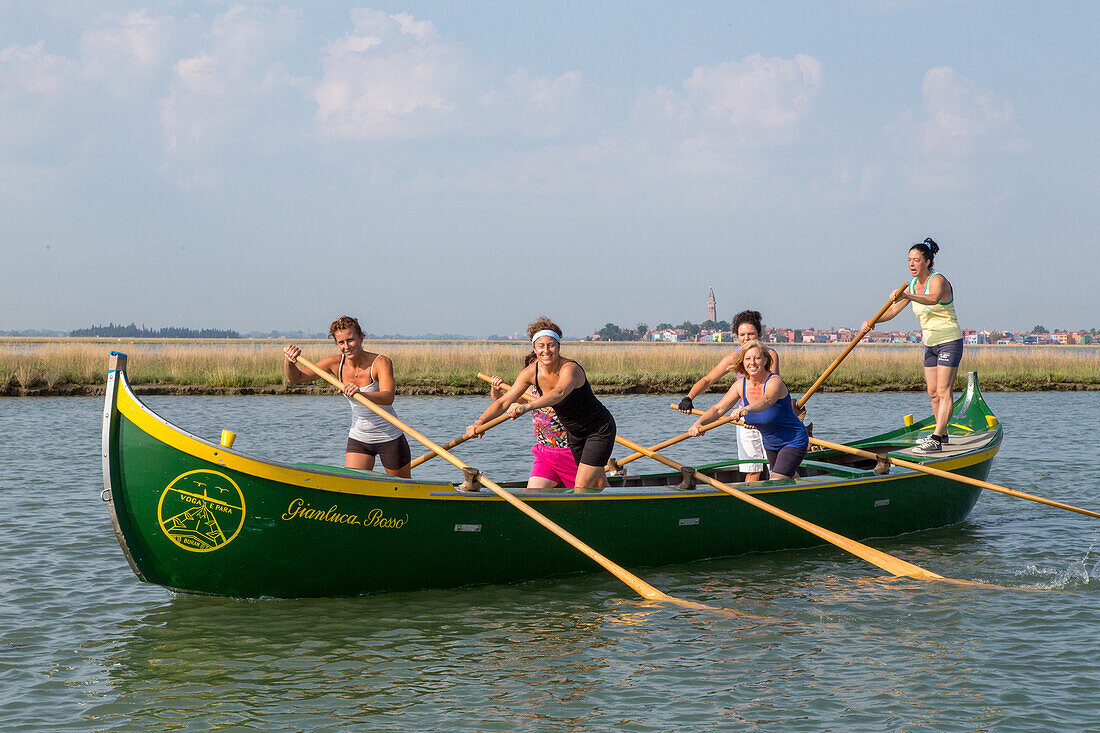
375 518
201 510
301 509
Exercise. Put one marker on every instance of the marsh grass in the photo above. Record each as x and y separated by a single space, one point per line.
60 365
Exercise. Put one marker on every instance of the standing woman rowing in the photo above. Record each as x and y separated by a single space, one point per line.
370 375
933 301
589 427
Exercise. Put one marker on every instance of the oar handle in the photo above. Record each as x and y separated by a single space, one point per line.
504 386
716 423
641 587
460 440
480 430
677 439
633 456
851 345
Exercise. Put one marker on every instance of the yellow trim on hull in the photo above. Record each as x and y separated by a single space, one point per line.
157 428
148 422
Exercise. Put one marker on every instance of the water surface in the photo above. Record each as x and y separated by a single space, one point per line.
827 643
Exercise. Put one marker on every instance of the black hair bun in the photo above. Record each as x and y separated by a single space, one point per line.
932 244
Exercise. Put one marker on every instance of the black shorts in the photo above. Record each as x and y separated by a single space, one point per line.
594 447
786 459
947 355
394 453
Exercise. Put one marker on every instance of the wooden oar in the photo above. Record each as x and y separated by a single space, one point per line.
851 345
887 562
639 586
902 463
953 476
620 463
876 557
460 439
673 441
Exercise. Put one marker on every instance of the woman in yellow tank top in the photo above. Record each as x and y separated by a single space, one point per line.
933 302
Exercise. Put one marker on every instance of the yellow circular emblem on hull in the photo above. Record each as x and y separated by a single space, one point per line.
201 510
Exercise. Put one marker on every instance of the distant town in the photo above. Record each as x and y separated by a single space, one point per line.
709 331
706 332
717 332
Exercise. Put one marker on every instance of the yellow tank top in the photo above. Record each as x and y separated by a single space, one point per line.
938 322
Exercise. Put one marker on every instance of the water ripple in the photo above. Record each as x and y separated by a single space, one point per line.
824 642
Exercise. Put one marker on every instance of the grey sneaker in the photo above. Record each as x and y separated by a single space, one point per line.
931 444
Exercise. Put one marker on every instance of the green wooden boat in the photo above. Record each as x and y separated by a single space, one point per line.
195 516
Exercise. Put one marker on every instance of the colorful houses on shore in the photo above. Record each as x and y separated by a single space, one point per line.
844 335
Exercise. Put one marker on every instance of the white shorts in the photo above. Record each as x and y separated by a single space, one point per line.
750 444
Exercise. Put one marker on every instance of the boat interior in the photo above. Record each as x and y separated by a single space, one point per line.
817 466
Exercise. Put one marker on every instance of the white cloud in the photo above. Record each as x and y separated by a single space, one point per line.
544 95
119 51
29 70
757 92
958 114
960 126
224 84
391 77
535 106
717 128
421 30
752 100
35 88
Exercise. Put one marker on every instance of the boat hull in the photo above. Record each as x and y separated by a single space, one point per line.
195 516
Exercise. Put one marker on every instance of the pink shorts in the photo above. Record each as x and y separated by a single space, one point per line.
554 464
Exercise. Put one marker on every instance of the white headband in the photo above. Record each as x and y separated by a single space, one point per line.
545 332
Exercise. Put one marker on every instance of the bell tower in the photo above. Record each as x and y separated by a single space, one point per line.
712 306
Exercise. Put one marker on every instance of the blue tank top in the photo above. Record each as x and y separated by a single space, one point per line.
778 425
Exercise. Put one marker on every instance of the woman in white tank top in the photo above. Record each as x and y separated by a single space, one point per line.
370 375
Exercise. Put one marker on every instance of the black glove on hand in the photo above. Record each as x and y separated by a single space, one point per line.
686 405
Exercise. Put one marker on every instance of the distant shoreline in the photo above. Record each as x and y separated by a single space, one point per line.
195 390
78 367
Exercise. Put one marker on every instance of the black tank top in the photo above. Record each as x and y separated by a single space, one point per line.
580 412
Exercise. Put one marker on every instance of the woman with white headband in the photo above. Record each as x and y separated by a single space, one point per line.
553 465
563 385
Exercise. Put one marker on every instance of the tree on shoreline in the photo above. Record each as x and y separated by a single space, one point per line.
134 331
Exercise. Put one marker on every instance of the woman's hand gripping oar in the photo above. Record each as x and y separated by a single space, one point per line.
848 349
639 586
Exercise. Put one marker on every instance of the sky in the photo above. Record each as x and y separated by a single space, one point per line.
446 167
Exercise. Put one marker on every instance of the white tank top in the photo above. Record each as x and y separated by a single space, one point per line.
366 426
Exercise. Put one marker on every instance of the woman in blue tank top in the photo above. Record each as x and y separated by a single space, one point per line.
763 402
